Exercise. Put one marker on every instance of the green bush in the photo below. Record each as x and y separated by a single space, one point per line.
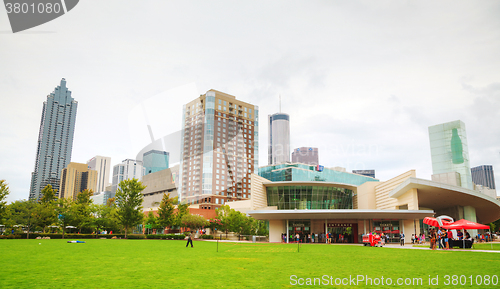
10 236
71 236
206 237
166 236
136 236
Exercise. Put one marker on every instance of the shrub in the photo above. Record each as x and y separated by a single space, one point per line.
136 236
206 237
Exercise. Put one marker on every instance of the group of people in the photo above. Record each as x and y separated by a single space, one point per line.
442 238
319 238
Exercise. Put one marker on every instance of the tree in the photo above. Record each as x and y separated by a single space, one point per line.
129 201
105 217
151 222
182 210
45 212
48 194
4 191
22 213
82 210
223 216
193 222
166 216
64 213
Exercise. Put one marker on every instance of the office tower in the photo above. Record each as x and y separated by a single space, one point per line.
368 173
305 155
450 154
219 149
484 176
55 140
154 161
102 165
279 138
127 170
75 179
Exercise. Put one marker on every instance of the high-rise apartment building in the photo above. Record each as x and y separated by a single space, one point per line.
102 165
279 138
305 155
155 161
450 153
55 140
219 149
75 179
484 176
127 170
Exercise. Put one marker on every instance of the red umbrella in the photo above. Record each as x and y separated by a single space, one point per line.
464 224
434 222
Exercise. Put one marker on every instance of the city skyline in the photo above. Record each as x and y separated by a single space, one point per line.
357 78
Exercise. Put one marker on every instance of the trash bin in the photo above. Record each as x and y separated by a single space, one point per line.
254 239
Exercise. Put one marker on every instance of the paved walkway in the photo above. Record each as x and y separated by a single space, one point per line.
410 246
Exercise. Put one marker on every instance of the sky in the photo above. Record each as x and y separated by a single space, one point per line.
361 80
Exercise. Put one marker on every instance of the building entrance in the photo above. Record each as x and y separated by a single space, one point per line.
302 228
343 232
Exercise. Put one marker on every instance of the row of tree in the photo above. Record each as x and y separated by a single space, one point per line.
121 213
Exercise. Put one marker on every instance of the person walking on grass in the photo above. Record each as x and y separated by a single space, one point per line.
190 240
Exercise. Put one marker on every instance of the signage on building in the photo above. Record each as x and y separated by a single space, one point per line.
320 168
336 225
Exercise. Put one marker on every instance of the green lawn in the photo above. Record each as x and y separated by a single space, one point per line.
168 264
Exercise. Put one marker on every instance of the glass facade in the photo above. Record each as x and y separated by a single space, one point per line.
306 173
449 151
55 140
309 197
155 161
484 176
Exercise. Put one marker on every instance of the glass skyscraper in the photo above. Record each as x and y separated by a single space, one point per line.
484 176
449 151
55 139
155 161
279 138
219 149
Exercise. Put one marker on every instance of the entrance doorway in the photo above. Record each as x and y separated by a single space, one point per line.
343 232
300 227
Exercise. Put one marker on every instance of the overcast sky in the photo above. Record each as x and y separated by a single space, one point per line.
361 80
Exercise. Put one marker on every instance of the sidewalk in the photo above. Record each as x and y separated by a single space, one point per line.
410 246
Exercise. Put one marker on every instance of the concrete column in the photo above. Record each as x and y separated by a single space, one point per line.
287 234
470 215
326 231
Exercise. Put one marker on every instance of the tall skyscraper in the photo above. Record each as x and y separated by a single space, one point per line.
155 161
127 170
279 138
75 179
102 165
305 155
484 176
219 149
449 151
55 140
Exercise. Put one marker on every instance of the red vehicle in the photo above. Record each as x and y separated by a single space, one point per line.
372 240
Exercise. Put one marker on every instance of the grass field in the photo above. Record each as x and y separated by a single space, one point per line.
169 264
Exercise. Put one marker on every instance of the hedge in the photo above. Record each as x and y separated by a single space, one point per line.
166 236
72 236
206 237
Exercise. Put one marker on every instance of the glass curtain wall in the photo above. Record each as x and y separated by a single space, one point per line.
309 197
